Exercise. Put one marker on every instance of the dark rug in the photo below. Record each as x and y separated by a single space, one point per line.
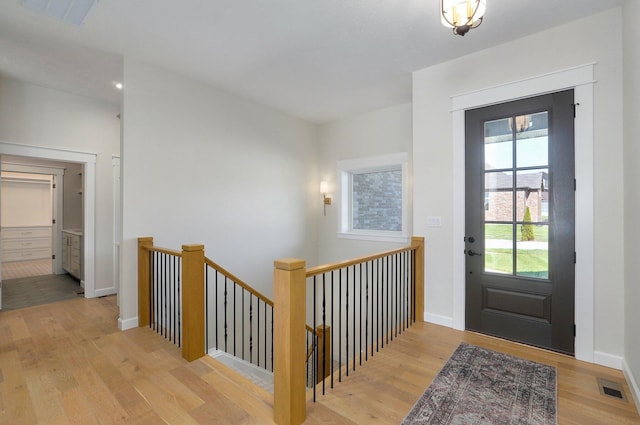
480 386
36 290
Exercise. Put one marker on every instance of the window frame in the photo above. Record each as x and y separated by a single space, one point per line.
346 170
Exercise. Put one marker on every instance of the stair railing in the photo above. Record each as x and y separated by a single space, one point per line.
371 300
173 297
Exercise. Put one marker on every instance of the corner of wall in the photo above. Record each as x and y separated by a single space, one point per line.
633 385
125 324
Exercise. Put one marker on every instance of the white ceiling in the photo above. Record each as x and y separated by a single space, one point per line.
316 59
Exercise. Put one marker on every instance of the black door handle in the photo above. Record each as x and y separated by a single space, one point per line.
471 253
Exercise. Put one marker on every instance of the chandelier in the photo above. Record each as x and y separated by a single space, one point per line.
462 15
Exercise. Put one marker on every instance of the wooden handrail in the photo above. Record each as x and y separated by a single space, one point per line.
237 280
314 271
163 250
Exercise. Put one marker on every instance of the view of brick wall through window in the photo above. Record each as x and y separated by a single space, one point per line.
532 192
377 200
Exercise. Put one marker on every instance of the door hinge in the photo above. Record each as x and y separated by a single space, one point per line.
53 221
574 257
54 185
574 108
53 257
575 185
574 330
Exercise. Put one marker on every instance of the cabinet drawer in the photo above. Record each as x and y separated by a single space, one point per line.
25 232
32 254
18 244
75 243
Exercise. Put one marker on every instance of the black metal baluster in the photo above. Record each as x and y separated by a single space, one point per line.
156 317
179 304
265 338
366 314
413 285
396 297
265 341
346 272
324 327
215 305
235 328
332 331
378 310
243 291
152 292
315 340
258 345
340 325
251 328
354 317
163 303
170 296
226 300
360 312
265 333
206 306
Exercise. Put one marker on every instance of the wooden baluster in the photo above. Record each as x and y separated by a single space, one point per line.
193 340
289 341
144 274
324 352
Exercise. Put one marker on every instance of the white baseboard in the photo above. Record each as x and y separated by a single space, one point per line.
104 292
633 384
608 360
438 319
124 324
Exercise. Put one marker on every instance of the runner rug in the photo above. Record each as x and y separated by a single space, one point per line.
482 387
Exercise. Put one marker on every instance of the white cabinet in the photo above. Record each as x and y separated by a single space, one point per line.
72 253
26 243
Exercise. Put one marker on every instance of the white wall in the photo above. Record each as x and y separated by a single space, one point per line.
73 213
380 132
203 166
632 193
594 39
37 116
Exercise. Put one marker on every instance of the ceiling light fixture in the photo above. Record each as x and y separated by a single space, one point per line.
118 85
462 15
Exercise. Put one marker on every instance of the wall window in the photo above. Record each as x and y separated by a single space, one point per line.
374 198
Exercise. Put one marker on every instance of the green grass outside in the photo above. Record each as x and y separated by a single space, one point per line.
530 261
504 232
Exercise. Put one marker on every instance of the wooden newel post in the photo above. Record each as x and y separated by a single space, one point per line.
144 291
324 352
418 312
289 351
193 341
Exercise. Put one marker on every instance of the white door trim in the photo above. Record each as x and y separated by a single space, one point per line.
89 161
580 79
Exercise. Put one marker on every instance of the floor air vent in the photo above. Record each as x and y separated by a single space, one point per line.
611 389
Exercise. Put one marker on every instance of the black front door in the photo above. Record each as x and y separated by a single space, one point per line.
520 208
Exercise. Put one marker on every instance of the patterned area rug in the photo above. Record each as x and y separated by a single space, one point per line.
479 386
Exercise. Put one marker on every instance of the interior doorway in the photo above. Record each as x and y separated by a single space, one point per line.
40 201
85 190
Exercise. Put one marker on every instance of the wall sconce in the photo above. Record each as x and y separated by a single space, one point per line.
326 200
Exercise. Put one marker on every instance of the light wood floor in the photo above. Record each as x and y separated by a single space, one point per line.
67 363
